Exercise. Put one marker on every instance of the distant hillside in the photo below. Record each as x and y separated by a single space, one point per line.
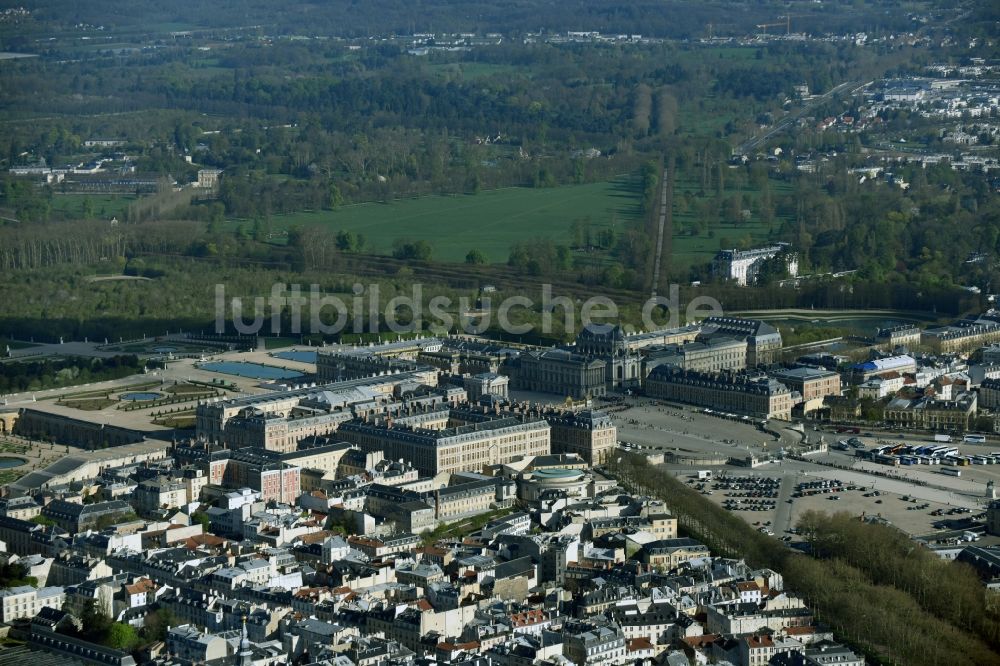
681 19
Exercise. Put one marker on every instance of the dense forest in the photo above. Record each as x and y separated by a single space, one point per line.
316 124
679 19
49 373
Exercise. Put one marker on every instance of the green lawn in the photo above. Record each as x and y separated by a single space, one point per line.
104 206
688 249
89 405
695 122
493 221
691 249
473 70
741 53
490 221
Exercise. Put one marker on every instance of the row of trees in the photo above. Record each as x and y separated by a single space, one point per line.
14 574
948 590
53 373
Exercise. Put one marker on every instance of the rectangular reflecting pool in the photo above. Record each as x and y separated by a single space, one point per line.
251 370
302 355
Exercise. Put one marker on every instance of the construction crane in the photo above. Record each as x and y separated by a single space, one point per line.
787 23
765 26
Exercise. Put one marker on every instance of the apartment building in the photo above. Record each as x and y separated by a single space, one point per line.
904 335
357 395
757 396
763 340
591 644
812 384
22 508
342 363
929 413
260 470
74 517
159 493
670 553
26 601
989 394
744 266
964 335
561 372
589 433
709 355
465 448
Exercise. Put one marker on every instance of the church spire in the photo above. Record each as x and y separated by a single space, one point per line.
245 657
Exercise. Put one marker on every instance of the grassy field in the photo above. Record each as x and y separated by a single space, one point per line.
89 404
103 205
691 249
490 221
695 122
493 221
469 71
181 420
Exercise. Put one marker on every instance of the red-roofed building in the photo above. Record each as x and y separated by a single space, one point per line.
439 556
759 649
700 642
756 650
448 651
531 622
304 600
639 648
206 541
140 593
804 634
749 591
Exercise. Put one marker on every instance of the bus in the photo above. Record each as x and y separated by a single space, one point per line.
975 439
951 471
886 460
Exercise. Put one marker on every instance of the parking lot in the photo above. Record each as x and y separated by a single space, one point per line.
749 493
805 485
775 495
688 431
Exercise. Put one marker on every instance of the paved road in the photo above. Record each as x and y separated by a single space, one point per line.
901 487
783 510
666 201
753 142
